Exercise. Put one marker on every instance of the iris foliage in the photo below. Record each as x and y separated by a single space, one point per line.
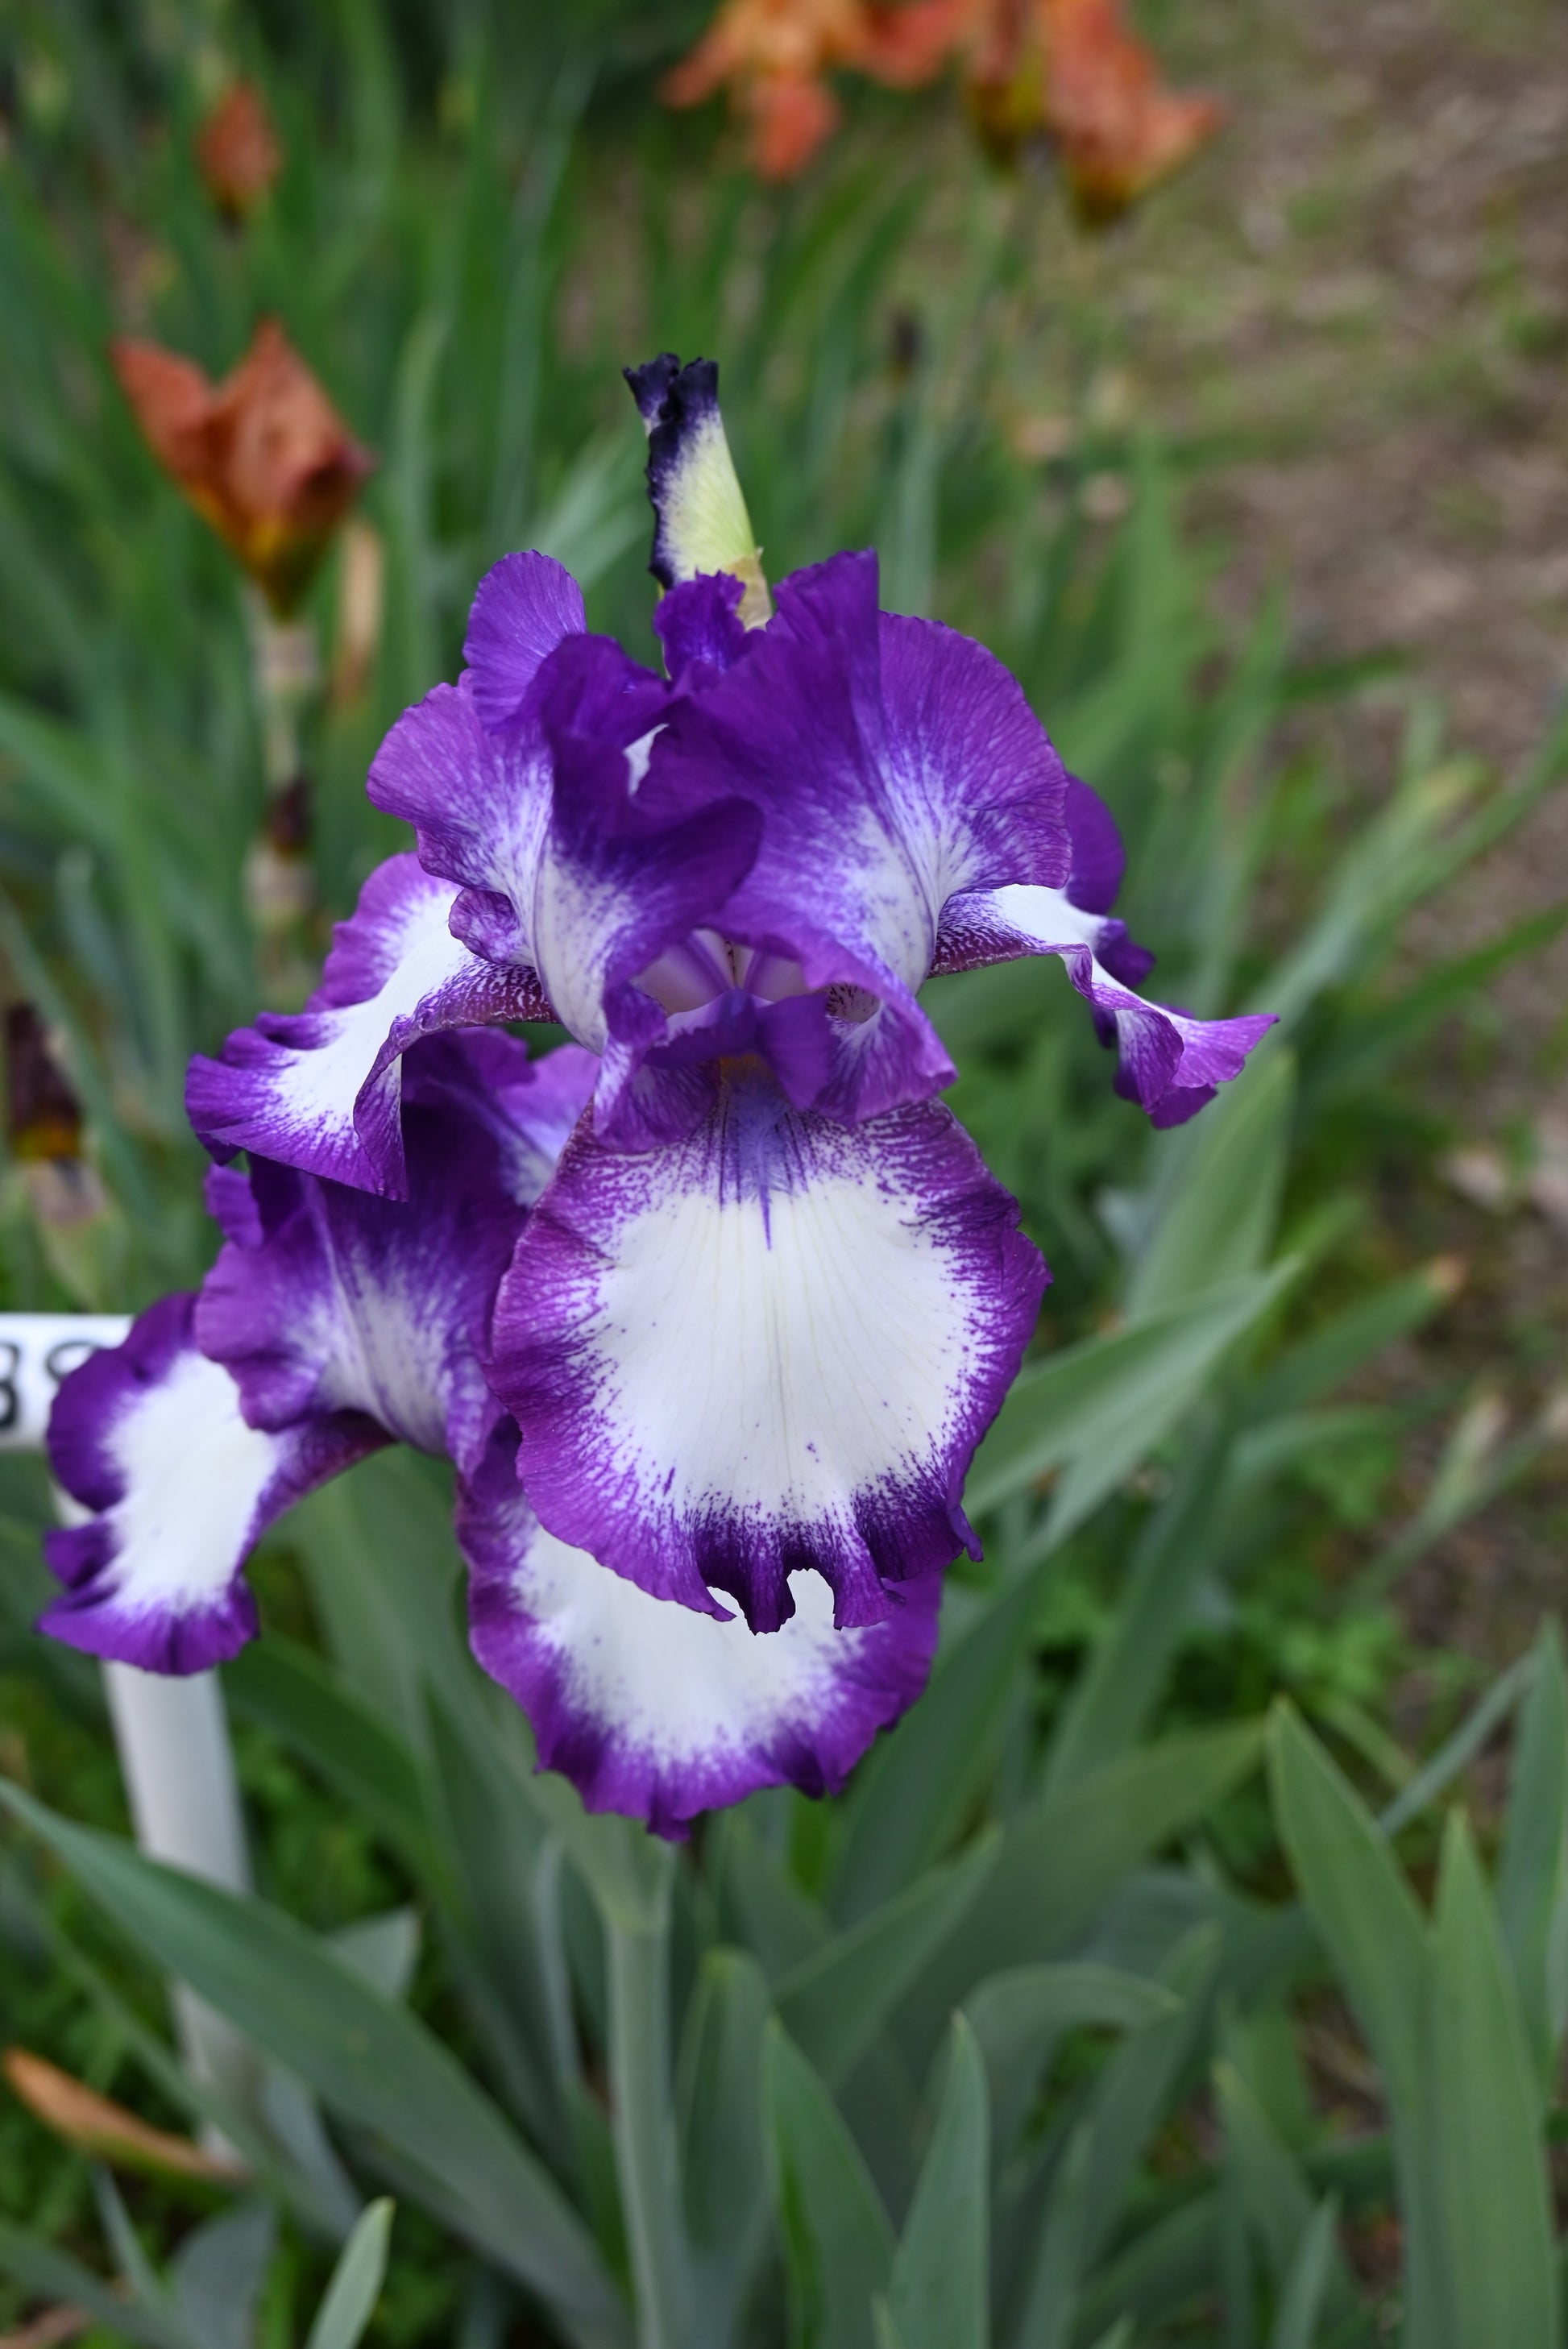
1022 2039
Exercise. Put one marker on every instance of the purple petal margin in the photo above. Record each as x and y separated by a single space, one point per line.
149 1436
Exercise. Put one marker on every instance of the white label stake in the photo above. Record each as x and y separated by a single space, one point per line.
172 1733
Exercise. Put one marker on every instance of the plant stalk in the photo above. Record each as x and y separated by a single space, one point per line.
645 2154
279 884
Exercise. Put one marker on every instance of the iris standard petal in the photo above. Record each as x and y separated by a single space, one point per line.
660 1713
700 628
320 1089
975 784
479 805
634 863
522 607
334 1299
579 869
772 1347
893 762
150 1436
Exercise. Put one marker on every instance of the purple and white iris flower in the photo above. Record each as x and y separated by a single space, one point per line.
710 1308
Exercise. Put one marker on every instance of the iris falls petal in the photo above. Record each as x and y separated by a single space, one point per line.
1170 1062
344 1301
660 1713
150 1436
334 1322
770 1348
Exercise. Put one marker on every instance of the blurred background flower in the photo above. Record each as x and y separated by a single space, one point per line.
1066 70
82 1236
239 151
262 456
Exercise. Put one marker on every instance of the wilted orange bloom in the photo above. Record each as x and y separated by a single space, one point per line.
263 455
239 151
1117 127
773 55
76 1219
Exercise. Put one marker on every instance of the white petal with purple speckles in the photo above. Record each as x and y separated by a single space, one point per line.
769 1348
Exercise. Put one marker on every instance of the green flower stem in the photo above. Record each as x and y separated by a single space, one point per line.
279 884
285 666
645 2155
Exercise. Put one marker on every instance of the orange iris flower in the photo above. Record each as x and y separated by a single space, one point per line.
1066 70
1117 127
773 55
262 456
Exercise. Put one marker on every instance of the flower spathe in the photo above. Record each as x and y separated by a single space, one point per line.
710 1308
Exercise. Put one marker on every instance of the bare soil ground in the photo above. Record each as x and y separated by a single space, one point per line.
1360 297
